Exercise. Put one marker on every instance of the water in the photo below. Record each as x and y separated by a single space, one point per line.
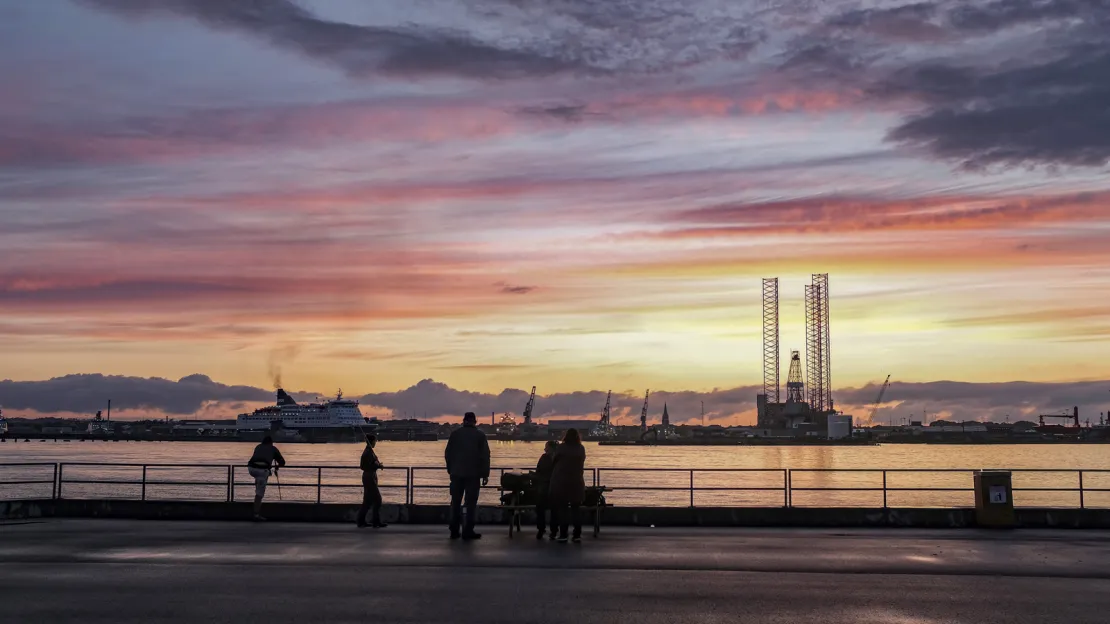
341 479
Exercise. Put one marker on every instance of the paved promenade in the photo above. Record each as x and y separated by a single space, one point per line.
133 571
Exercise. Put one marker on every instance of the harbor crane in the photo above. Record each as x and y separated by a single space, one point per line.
879 400
643 413
528 408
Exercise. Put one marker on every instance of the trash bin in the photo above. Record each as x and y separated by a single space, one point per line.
994 499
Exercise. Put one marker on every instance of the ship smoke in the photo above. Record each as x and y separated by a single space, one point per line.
278 357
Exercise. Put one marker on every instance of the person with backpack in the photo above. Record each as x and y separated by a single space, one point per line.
266 457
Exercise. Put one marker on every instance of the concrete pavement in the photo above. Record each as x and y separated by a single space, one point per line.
135 571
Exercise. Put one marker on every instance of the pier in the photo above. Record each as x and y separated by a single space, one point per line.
61 571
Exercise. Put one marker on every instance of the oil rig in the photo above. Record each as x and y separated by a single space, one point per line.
809 401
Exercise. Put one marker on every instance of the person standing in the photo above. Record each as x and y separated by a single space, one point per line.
467 457
543 489
568 487
266 457
371 495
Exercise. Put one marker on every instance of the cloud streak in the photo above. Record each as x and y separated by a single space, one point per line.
358 49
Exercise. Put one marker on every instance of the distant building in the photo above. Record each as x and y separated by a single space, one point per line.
560 426
839 426
57 430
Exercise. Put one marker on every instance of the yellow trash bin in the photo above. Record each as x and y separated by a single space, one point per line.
994 499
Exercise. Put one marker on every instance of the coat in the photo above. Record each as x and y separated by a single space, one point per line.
543 474
370 466
568 486
467 454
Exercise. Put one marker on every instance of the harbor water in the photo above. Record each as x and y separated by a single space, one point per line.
639 475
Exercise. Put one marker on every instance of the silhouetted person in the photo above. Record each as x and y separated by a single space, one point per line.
543 489
467 456
568 487
265 457
371 495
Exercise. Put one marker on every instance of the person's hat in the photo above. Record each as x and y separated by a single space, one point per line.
470 417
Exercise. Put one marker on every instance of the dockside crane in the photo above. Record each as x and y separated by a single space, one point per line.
528 408
643 413
605 421
878 400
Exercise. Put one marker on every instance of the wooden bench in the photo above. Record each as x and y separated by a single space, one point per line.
516 510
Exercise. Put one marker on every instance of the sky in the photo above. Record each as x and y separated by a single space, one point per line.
425 200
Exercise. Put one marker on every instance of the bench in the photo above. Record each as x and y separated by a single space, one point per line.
516 510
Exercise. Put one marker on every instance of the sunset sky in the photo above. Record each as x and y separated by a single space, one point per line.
577 195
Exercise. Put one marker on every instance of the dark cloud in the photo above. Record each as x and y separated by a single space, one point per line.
359 50
908 22
562 112
196 393
1036 98
510 289
835 59
993 16
440 400
1051 112
643 36
115 292
85 394
980 401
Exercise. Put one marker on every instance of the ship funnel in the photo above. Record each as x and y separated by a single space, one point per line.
283 398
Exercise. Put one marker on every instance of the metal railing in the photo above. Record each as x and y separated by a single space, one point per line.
726 487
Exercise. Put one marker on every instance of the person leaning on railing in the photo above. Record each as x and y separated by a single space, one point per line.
265 457
371 495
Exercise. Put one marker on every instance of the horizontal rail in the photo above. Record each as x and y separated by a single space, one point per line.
788 482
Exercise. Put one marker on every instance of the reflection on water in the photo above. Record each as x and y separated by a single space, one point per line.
757 488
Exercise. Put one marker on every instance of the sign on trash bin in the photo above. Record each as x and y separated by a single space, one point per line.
998 494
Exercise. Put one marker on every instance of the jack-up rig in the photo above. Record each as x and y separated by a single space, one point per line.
809 403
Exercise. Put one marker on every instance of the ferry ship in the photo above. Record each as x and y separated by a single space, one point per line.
334 420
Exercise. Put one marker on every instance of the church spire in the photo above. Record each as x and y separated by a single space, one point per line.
666 416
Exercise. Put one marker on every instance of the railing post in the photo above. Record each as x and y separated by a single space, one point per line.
143 496
1082 502
319 482
54 483
61 476
789 488
231 483
884 489
691 488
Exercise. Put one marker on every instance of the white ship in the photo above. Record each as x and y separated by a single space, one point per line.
334 419
3 424
99 426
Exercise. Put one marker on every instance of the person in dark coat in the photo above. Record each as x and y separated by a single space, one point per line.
467 457
543 489
568 486
266 457
371 495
